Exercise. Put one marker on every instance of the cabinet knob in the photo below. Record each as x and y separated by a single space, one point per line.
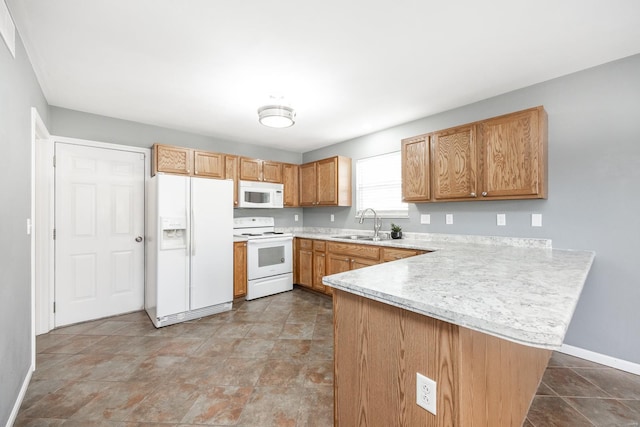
473 194
484 194
235 202
195 173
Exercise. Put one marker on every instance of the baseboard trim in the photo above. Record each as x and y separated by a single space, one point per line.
18 403
602 359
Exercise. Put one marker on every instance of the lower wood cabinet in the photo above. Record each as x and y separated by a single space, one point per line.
304 262
318 258
319 266
239 269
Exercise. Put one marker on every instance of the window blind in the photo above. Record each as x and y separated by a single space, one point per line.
379 186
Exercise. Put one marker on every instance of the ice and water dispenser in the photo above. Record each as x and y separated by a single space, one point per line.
174 233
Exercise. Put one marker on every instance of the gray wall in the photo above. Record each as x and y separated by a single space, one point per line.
594 174
77 124
19 91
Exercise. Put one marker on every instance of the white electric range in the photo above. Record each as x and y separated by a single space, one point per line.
269 256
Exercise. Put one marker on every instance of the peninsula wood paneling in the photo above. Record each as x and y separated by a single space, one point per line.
482 381
498 379
378 350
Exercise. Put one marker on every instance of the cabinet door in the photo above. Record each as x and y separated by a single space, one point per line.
272 171
305 266
513 151
318 271
231 172
336 263
290 181
170 159
455 163
209 164
415 169
250 169
327 181
239 269
308 184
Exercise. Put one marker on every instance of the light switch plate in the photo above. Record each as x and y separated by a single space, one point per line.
425 219
449 219
501 219
536 220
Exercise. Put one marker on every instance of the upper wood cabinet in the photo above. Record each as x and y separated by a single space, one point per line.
308 186
415 169
260 170
500 158
326 182
455 163
209 164
231 172
170 159
185 161
514 155
290 180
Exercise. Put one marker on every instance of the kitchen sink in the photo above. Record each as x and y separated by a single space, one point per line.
354 237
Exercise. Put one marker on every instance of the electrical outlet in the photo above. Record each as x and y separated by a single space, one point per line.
426 393
449 219
536 220
295 217
501 219
332 218
425 219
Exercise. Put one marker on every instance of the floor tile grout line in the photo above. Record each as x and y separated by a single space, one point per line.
591 382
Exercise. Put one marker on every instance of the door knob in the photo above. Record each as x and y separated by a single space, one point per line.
139 239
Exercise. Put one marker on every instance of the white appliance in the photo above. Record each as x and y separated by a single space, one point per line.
252 194
269 256
189 248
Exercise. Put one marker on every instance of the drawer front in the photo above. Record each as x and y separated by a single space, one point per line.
319 245
305 244
392 254
360 251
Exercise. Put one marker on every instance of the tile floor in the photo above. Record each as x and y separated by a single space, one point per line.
266 363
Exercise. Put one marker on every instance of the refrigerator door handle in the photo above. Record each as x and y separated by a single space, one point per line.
193 233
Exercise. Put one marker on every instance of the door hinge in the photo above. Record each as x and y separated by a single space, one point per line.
54 306
54 234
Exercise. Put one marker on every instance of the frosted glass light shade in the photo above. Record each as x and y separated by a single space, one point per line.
277 116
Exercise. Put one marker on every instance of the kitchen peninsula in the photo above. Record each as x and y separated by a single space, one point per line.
480 320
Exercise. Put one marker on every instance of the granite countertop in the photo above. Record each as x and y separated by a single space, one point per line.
522 291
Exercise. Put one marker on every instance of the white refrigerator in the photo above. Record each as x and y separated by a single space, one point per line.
189 248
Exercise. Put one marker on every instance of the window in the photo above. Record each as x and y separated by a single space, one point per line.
379 186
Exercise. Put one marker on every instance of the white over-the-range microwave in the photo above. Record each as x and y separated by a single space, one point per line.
252 194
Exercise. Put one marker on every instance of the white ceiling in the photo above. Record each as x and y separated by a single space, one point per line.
348 67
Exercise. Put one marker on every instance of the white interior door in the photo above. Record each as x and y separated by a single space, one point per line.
99 220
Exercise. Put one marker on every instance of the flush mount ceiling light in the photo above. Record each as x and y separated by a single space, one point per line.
277 114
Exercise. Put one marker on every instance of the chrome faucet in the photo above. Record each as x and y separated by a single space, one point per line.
377 223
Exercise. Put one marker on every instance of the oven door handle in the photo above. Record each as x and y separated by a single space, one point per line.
269 241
